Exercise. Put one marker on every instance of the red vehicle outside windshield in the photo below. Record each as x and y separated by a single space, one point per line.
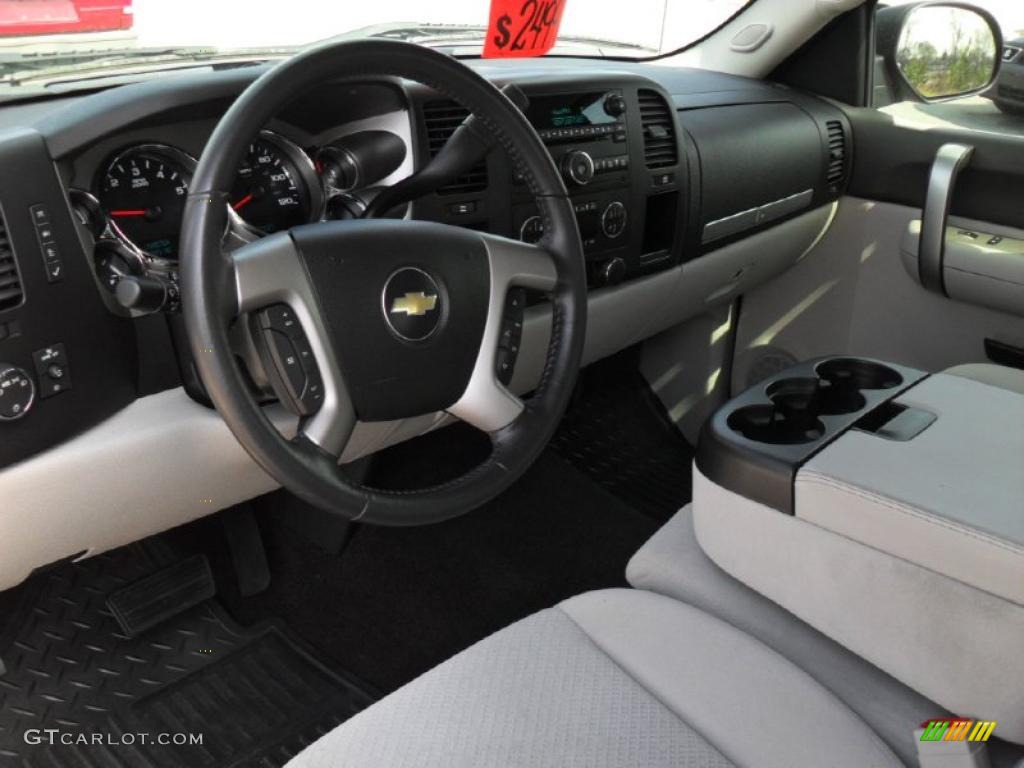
49 17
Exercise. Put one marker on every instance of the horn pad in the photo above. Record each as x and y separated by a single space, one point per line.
405 304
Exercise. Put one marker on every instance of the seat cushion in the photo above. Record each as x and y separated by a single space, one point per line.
672 563
610 678
1001 376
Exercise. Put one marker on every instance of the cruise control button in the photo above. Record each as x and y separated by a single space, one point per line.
314 394
504 366
305 353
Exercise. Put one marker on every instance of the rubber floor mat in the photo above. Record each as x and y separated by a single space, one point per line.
617 433
248 696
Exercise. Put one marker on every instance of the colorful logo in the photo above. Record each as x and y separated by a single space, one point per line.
957 729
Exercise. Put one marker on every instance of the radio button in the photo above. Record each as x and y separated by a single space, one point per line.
614 105
578 167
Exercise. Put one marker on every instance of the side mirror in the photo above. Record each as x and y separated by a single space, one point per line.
936 51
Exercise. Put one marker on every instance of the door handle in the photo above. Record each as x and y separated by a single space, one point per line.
949 161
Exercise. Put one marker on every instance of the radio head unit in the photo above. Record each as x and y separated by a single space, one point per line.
576 116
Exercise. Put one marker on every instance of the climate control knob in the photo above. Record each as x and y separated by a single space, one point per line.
17 392
578 167
613 220
612 271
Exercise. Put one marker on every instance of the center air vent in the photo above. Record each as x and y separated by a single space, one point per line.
441 119
10 283
836 152
660 150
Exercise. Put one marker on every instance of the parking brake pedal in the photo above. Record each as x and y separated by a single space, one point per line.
163 595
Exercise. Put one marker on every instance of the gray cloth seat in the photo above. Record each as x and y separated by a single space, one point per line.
611 678
672 563
1001 376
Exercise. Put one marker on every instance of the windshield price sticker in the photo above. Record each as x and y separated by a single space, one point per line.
522 28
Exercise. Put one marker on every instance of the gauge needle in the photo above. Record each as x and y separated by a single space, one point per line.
129 212
242 203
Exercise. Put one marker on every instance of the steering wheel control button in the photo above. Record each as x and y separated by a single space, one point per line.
52 370
17 392
289 360
412 304
511 335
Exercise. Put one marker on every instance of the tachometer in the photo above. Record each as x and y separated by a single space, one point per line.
143 191
276 186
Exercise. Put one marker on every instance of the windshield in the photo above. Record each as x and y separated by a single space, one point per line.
50 37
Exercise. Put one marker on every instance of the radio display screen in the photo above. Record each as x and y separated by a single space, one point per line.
566 111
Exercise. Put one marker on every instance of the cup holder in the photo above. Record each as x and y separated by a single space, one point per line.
838 387
850 374
767 424
755 444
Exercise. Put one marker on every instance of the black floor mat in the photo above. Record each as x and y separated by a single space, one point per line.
254 695
400 600
618 434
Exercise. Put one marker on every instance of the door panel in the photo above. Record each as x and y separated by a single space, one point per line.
892 159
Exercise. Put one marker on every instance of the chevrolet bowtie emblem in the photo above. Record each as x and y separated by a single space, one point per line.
414 304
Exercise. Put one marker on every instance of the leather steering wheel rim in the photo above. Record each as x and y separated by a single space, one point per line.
212 298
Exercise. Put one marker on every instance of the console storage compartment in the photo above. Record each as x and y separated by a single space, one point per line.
904 538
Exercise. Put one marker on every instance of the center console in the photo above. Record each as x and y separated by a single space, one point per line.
885 507
619 149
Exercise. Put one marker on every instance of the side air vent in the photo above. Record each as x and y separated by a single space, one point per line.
10 284
441 119
836 152
660 149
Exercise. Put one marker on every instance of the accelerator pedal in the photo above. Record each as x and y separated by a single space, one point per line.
154 599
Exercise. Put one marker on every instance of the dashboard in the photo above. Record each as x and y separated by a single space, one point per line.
666 168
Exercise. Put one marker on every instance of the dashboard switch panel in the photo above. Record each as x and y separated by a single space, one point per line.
289 360
52 370
47 245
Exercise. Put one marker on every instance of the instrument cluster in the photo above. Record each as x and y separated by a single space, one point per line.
140 192
136 203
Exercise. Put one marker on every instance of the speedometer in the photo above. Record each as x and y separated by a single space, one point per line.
276 187
143 191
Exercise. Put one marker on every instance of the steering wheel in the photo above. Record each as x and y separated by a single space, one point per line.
401 317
